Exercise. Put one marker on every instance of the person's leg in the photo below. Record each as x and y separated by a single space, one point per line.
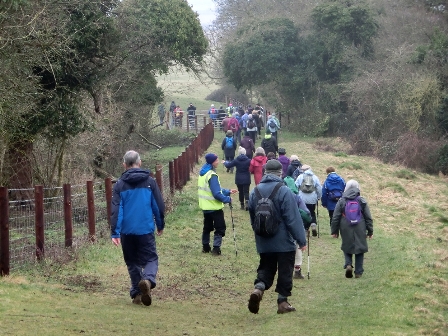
359 265
246 195
208 227
298 264
312 209
231 159
284 281
265 277
148 258
129 246
241 194
348 265
228 159
220 230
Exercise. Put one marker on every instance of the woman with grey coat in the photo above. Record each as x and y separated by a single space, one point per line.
354 237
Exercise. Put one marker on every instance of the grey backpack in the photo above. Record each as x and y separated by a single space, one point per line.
307 185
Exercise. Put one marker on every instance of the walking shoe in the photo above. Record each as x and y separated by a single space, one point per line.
242 206
206 248
298 274
216 251
137 299
358 275
284 308
145 288
313 229
349 271
247 205
254 301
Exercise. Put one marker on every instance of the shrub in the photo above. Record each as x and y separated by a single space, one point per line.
442 159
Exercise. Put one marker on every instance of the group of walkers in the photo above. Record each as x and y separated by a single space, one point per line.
282 210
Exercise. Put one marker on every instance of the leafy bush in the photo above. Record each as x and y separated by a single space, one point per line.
442 159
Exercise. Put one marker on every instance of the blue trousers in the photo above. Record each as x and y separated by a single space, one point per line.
140 256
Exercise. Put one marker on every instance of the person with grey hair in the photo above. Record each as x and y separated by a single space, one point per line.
242 176
137 212
277 252
354 235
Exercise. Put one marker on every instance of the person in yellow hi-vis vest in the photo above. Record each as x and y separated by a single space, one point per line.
211 201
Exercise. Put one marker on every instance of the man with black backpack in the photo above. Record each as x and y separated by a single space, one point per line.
277 224
311 192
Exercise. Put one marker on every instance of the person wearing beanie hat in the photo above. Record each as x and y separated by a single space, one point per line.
310 190
242 176
211 201
354 237
269 143
228 145
257 163
276 252
284 160
295 167
269 156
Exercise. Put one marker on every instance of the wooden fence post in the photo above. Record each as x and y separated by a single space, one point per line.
4 232
91 210
172 177
68 215
108 188
39 221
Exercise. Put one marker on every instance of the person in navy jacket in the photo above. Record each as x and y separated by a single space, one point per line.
333 186
137 212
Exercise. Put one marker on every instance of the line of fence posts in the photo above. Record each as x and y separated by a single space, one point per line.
179 173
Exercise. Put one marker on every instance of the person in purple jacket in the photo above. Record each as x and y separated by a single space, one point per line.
284 160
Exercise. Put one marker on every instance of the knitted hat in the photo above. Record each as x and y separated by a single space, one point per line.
273 167
242 150
211 157
282 151
229 132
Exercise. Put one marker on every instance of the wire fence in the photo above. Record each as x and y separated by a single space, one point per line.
45 225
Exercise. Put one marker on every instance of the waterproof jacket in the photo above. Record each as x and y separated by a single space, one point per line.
333 182
276 126
354 239
256 167
228 152
269 144
242 163
292 167
136 203
291 228
248 145
233 125
284 160
310 198
218 193
254 128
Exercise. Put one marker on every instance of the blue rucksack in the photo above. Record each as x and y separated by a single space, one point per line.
229 142
352 211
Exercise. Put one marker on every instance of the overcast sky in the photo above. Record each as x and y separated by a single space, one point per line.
205 9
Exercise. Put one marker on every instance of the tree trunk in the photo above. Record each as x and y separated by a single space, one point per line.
19 169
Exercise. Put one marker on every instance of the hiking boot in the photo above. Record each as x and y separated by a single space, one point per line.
358 275
216 251
242 206
313 229
349 271
254 301
206 248
137 299
145 288
284 308
298 274
247 205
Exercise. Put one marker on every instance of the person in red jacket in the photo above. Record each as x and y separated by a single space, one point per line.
257 163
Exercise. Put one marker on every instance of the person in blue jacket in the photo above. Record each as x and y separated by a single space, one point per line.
211 201
277 253
137 212
332 190
242 176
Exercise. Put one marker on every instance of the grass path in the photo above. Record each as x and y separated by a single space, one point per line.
404 290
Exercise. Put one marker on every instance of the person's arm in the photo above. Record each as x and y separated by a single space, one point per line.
324 196
292 218
336 219
156 213
159 199
217 192
116 217
368 219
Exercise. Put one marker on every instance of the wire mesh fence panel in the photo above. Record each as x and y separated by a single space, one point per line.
54 226
22 238
79 214
101 221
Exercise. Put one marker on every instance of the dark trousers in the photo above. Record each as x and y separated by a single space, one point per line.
228 159
312 209
214 221
330 213
269 263
253 136
359 262
140 256
243 192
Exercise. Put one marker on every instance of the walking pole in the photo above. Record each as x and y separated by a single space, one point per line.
317 219
233 228
308 254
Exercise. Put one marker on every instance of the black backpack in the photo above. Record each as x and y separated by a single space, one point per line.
266 221
251 123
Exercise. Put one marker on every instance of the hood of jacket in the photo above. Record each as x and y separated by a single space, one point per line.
333 179
205 168
259 160
308 172
283 159
135 175
242 158
351 193
267 136
295 163
270 178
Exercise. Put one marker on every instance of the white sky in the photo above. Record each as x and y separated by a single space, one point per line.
205 9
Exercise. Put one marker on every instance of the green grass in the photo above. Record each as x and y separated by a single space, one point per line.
402 292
